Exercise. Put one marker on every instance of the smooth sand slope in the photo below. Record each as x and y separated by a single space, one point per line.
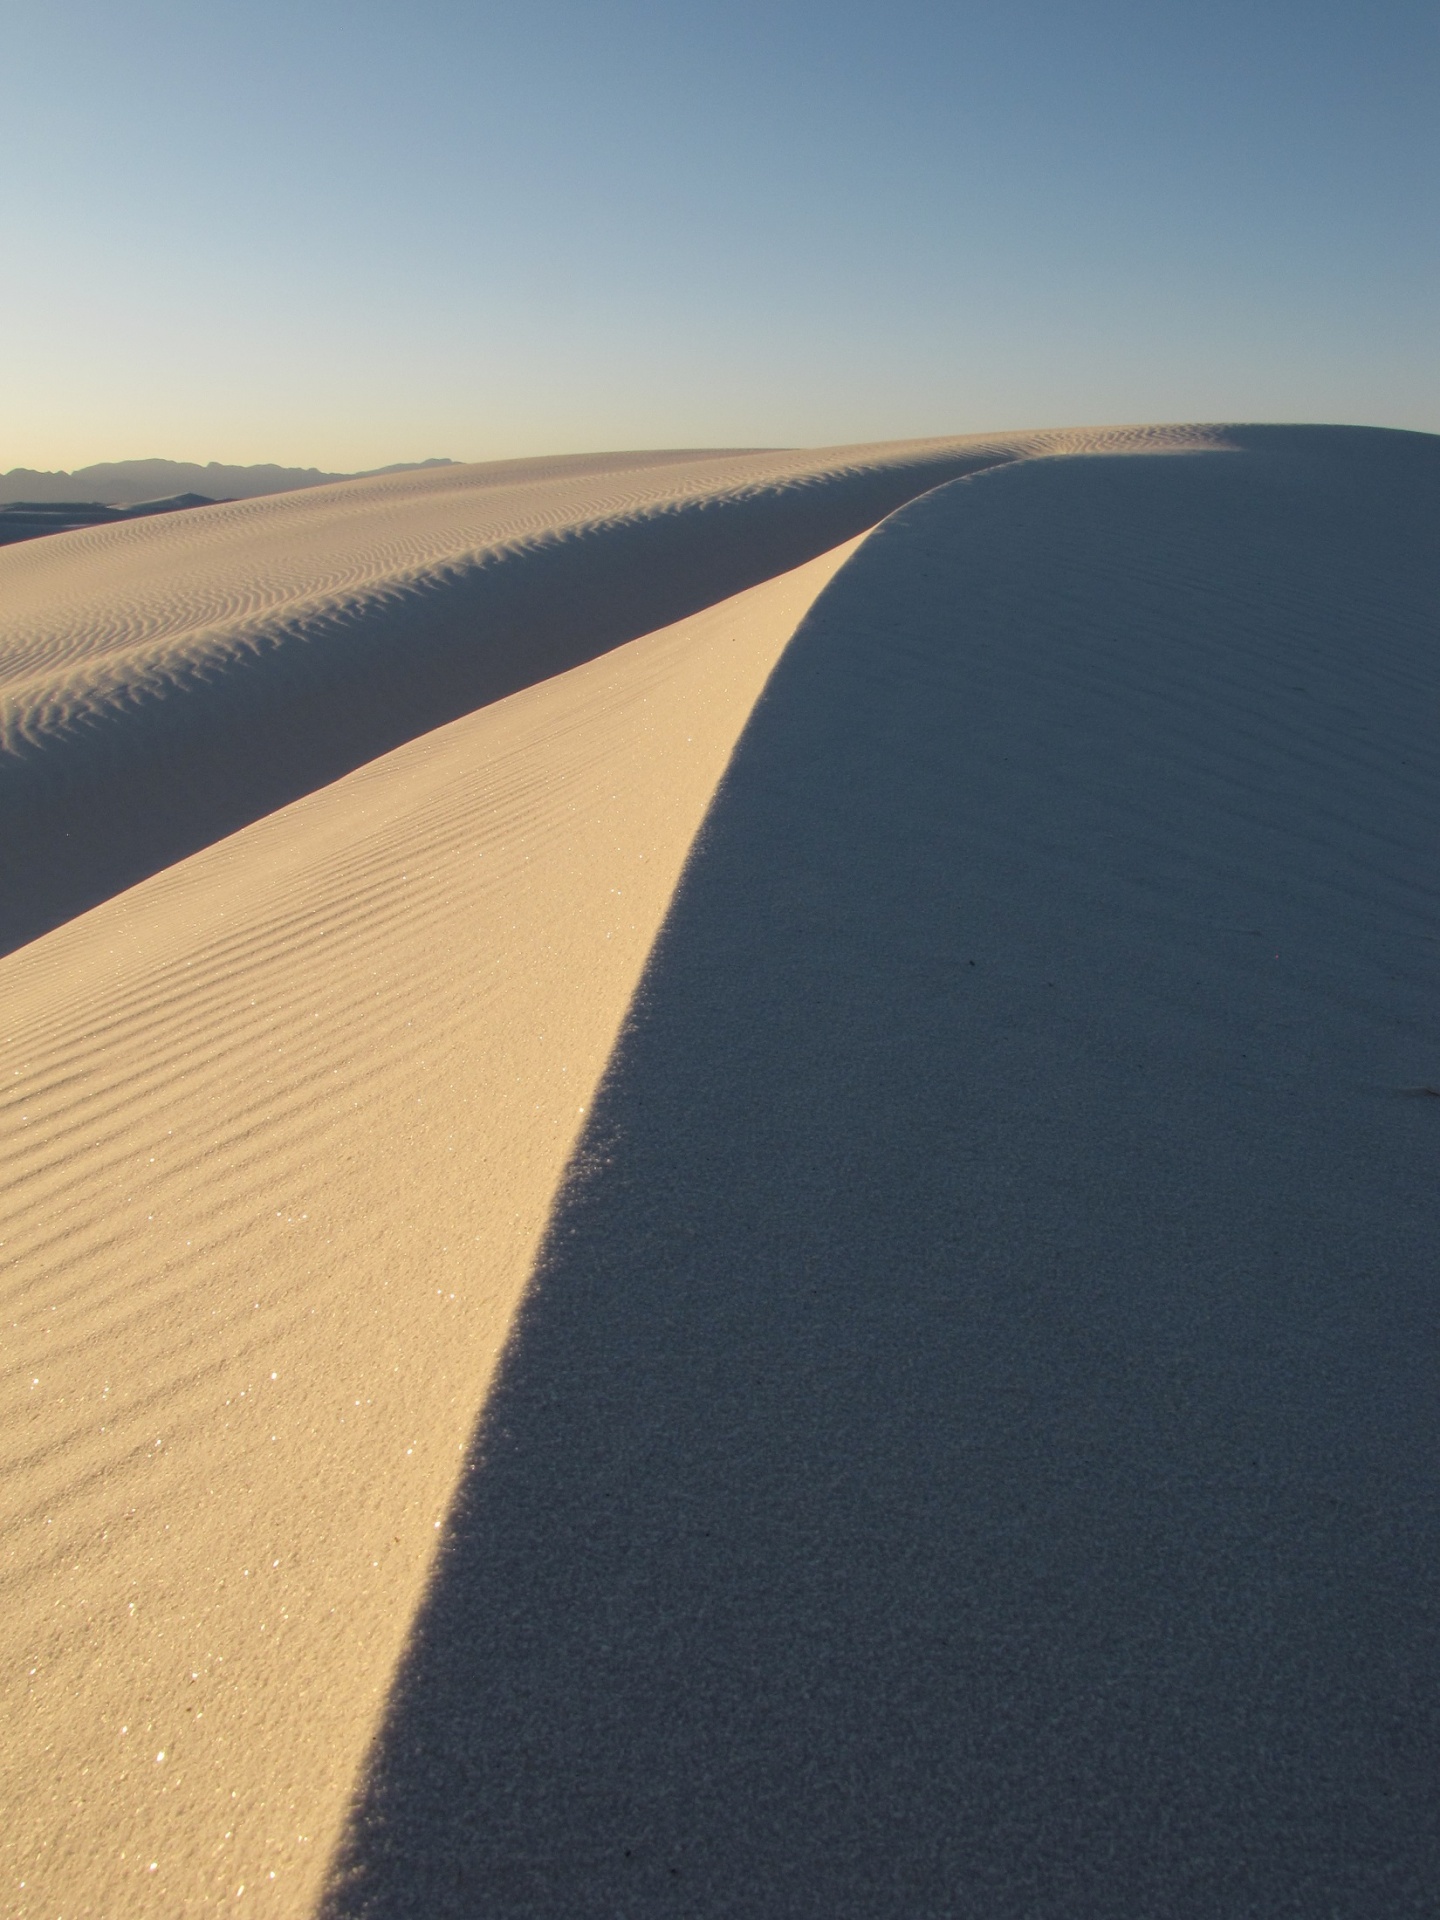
972 1445
164 684
279 1131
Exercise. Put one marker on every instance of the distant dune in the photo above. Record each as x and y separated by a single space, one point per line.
163 683
33 519
125 483
707 1211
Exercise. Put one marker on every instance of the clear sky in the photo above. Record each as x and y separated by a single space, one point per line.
345 232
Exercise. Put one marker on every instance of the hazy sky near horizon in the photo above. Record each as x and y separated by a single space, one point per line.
345 232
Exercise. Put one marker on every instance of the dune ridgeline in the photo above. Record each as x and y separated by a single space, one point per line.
719 1187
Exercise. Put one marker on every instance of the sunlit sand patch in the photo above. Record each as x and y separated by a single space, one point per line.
281 1129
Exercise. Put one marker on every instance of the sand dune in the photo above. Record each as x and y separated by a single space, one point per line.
969 1445
162 684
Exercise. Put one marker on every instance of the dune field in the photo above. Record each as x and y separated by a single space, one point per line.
720 1188
162 685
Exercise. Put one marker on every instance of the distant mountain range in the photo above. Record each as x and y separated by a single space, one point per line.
129 483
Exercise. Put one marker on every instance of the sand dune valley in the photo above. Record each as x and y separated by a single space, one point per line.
720 1188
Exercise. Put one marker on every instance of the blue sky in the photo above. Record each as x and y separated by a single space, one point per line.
339 232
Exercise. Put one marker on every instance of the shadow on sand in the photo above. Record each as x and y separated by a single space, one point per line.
971 1444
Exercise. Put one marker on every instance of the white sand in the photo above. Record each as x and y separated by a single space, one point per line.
282 1126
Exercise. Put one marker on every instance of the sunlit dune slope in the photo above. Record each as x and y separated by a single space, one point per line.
165 682
280 1132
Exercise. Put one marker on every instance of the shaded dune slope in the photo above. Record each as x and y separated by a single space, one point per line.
279 1132
162 685
970 1446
